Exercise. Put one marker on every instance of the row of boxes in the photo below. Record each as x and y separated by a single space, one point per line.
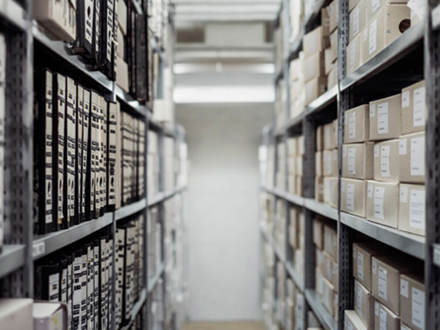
295 159
296 234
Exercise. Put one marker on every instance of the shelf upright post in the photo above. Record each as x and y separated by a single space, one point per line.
432 76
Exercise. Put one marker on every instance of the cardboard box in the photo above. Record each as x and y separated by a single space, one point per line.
333 15
315 88
320 138
357 19
292 148
122 73
385 318
352 321
412 209
328 295
318 233
332 78
330 162
386 161
319 163
385 27
414 109
314 66
385 279
362 256
121 16
383 202
357 124
412 158
354 57
385 118
319 188
373 6
331 241
364 305
353 196
334 45
328 60
331 135
412 301
329 269
331 191
357 160
299 185
16 314
319 281
315 41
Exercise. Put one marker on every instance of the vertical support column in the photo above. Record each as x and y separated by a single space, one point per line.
145 210
309 131
309 264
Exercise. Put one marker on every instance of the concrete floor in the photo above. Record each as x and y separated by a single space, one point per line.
224 326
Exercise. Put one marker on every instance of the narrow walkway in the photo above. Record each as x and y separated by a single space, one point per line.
224 326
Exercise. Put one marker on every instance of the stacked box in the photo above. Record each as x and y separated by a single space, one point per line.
330 18
296 18
295 160
296 234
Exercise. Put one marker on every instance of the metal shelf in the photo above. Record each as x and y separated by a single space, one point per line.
298 200
396 50
136 309
321 208
131 209
320 311
129 101
155 279
13 13
293 122
405 242
160 197
11 258
322 101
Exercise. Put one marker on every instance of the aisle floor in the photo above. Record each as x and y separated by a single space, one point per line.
224 326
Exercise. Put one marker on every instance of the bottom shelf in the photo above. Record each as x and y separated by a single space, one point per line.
320 311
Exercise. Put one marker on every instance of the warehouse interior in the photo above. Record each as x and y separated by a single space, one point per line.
219 164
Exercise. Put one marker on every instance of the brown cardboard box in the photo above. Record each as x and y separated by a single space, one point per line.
412 208
373 6
414 109
320 138
332 78
330 162
412 158
357 19
315 41
356 124
353 321
364 305
362 255
333 15
299 185
329 269
314 66
334 45
328 60
318 233
353 196
386 160
331 191
383 28
319 188
383 202
385 318
357 160
412 301
122 73
318 163
319 281
328 295
331 241
354 57
331 135
385 279
385 118
315 88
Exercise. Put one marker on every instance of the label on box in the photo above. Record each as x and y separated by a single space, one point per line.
404 288
417 209
382 283
402 147
372 32
352 125
360 266
372 110
385 161
419 107
403 194
418 308
351 161
382 118
379 193
54 287
370 190
383 319
350 196
359 298
417 156
405 99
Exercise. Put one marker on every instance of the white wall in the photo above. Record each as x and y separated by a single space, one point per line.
222 224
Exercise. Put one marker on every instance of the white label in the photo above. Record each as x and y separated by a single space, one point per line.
402 147
418 308
38 249
372 110
417 156
403 194
355 25
351 162
419 107
372 37
405 99
359 298
360 266
350 196
382 283
404 288
375 4
379 193
376 308
352 125
382 118
417 209
370 190
385 161
383 319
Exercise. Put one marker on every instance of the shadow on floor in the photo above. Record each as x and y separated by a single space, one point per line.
224 326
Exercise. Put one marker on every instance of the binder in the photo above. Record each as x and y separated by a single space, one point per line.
118 167
69 262
76 292
119 267
96 256
125 157
108 36
131 38
43 155
79 154
59 143
102 284
84 28
141 69
90 289
69 155
103 155
86 167
47 277
94 155
142 160
83 281
109 268
111 155
97 33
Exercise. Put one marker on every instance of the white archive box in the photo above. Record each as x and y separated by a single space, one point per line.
353 196
386 161
412 208
383 202
357 160
412 158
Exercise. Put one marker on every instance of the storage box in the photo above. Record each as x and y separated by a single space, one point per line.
364 305
412 301
329 269
292 148
414 109
319 281
331 135
412 158
354 55
373 6
333 15
357 19
357 160
318 233
16 314
315 41
315 88
331 191
386 160
334 45
353 196
412 209
332 78
328 60
319 163
319 188
331 241
121 16
385 118
385 279
299 185
320 138
122 73
362 256
385 318
314 66
352 321
330 162
328 295
383 202
356 124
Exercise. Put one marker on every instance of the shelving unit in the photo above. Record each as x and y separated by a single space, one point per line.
418 48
